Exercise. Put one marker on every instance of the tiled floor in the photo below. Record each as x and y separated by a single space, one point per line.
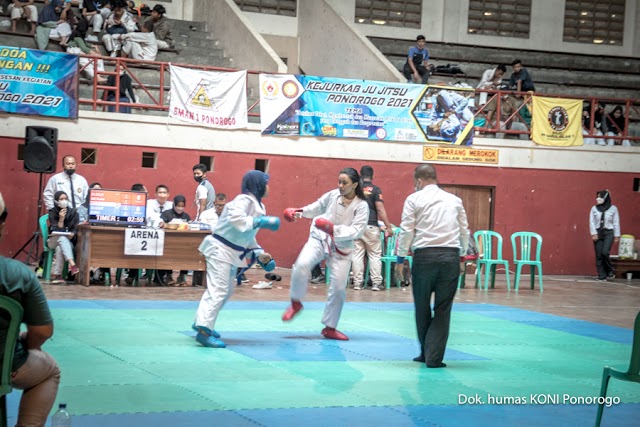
128 357
612 303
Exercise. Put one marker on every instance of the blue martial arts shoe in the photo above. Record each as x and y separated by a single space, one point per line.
205 338
207 331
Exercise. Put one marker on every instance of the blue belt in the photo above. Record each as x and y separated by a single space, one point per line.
238 248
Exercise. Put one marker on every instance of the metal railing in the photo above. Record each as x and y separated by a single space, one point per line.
155 92
515 107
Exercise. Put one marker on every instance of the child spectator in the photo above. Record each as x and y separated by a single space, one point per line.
96 12
140 45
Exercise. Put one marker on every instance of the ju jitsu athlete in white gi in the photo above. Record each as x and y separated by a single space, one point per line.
233 243
339 218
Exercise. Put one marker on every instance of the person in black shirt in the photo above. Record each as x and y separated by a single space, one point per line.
370 242
125 87
177 211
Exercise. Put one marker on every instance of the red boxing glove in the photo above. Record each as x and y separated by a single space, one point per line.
325 225
289 214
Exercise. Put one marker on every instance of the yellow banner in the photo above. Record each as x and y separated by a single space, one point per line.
459 155
556 121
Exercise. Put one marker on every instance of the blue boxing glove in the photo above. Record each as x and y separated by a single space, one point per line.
268 266
270 222
266 262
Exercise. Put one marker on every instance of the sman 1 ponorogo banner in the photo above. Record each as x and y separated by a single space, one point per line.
38 82
216 99
295 105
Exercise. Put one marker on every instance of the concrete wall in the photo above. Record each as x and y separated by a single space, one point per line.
285 47
446 21
329 46
242 43
548 190
175 8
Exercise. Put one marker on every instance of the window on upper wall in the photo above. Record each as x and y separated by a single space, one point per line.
149 160
208 161
272 7
262 165
396 13
88 156
594 21
503 18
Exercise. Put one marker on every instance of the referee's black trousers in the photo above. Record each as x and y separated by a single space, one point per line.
435 271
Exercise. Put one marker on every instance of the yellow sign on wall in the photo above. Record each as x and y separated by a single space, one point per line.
459 155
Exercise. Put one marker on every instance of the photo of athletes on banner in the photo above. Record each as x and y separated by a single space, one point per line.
296 105
444 115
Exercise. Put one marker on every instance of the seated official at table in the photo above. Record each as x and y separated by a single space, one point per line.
156 207
62 218
176 212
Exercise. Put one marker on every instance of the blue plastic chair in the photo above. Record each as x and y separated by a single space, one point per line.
524 240
632 374
390 256
14 311
484 241
48 252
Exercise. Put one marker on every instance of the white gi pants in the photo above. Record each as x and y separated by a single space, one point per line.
112 42
368 244
312 253
220 285
97 20
18 12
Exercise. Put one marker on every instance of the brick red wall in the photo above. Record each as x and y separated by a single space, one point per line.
553 203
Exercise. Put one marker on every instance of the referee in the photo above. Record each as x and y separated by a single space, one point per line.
434 227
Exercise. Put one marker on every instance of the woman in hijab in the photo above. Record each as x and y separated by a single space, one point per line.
176 213
339 218
233 243
62 219
604 226
616 126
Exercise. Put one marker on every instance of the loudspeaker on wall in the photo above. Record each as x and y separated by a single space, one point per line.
40 149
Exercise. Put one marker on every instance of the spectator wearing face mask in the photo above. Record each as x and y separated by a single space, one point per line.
63 219
205 192
604 227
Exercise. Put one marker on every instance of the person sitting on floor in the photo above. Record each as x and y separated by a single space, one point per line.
161 27
23 9
140 45
118 23
63 219
96 12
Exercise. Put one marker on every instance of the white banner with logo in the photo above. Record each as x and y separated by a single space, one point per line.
215 99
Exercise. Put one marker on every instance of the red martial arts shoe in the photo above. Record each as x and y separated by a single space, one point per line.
334 334
291 311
